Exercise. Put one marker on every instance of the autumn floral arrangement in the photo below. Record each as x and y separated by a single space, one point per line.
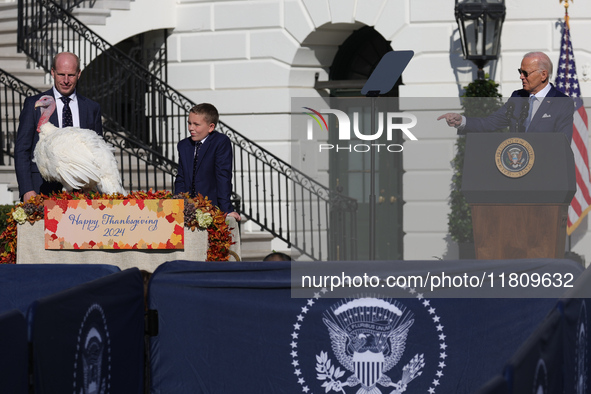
199 213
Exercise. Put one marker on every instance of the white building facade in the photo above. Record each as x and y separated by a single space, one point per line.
250 58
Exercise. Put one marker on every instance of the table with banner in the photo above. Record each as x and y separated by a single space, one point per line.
144 234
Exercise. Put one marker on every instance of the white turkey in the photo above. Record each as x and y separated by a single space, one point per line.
77 158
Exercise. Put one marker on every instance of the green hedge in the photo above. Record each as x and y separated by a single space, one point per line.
460 219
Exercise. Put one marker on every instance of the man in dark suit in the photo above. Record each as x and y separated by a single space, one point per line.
205 160
83 113
538 107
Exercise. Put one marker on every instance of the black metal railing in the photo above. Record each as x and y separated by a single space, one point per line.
157 174
143 113
13 93
131 97
291 205
71 4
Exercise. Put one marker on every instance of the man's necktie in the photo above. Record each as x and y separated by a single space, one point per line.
67 120
197 147
532 100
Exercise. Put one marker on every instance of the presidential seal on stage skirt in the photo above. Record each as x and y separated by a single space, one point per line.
515 157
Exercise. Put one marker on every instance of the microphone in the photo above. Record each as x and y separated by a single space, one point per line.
509 115
510 109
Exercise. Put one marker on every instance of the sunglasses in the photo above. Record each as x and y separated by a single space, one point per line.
526 73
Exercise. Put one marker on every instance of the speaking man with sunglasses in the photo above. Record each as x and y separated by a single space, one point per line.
538 107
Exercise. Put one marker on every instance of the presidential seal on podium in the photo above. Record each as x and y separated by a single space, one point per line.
514 157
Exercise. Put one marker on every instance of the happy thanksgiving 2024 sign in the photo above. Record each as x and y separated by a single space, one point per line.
114 224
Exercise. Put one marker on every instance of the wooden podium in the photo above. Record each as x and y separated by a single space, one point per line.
519 187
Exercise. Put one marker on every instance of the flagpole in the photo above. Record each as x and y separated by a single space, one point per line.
567 26
566 17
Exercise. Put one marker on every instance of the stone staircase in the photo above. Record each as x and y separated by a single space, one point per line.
23 68
255 245
17 64
8 186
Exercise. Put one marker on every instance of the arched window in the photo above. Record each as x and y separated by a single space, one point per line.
349 171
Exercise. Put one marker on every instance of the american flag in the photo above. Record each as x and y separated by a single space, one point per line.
568 83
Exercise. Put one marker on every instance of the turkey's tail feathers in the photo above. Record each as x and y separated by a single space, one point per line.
111 186
78 177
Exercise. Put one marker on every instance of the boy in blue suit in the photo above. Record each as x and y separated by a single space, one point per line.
205 160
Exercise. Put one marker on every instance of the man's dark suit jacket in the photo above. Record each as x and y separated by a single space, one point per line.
555 115
27 173
214 169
